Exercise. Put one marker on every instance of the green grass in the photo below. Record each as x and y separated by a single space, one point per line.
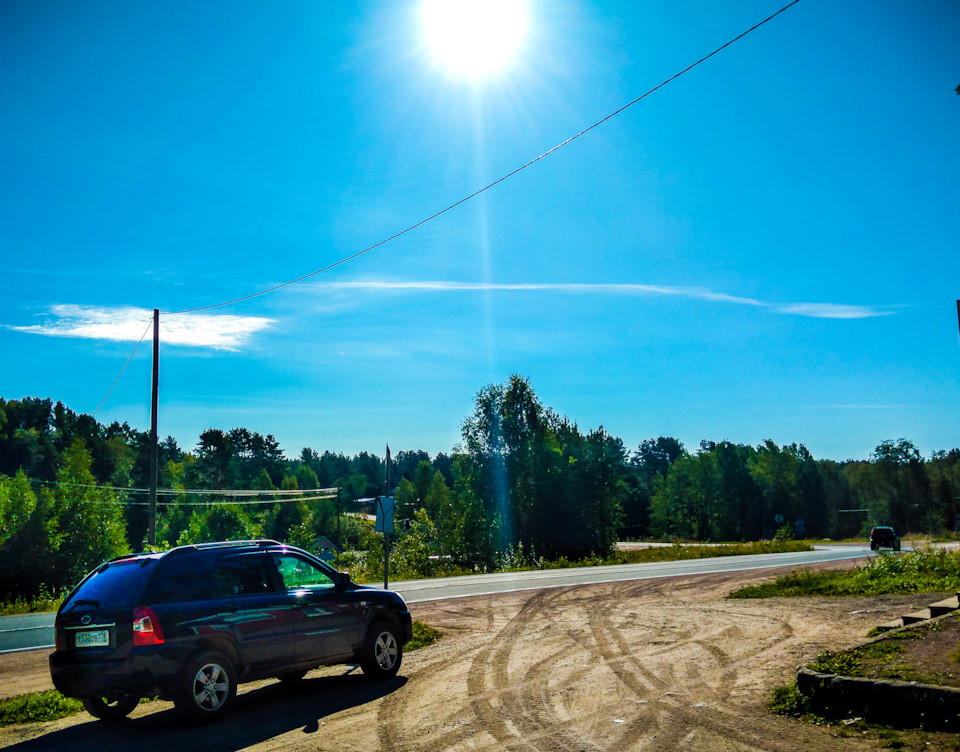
423 635
676 552
925 570
787 700
19 606
37 707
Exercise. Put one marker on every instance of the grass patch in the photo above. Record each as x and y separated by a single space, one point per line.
34 605
787 700
37 707
423 635
676 552
926 570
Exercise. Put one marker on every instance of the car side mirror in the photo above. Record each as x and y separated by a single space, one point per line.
343 580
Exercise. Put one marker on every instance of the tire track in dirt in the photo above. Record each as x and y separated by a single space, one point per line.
394 710
675 722
491 700
500 706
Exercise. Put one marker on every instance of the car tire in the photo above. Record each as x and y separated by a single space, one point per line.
110 710
208 687
382 653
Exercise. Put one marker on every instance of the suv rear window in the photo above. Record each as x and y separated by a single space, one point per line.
116 586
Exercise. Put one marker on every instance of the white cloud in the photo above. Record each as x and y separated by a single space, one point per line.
814 310
128 324
832 311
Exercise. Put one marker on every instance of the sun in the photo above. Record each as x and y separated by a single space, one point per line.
474 38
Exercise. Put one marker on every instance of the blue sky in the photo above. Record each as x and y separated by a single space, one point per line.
764 248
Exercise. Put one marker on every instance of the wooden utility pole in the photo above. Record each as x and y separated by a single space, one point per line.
386 535
152 523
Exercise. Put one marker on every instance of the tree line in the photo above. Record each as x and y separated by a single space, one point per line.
524 483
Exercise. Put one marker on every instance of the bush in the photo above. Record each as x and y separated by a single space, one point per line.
37 707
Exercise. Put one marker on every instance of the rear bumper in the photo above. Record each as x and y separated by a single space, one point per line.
141 675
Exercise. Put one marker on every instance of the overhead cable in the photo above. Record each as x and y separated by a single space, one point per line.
132 503
136 347
490 185
198 491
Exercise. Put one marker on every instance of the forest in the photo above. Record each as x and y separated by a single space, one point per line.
524 485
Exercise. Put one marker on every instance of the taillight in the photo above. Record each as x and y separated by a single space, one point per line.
58 637
146 627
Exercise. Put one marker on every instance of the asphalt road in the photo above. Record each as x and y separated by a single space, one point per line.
35 631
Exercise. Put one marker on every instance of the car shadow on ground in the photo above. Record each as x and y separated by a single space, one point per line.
258 715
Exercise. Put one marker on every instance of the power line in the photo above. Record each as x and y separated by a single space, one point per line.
131 503
236 492
490 185
137 347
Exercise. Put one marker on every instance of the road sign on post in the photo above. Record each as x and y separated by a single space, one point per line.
385 507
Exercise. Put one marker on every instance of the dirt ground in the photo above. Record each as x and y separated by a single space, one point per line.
663 664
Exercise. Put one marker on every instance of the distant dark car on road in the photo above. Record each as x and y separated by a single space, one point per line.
884 537
192 623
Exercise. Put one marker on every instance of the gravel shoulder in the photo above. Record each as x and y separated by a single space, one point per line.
641 665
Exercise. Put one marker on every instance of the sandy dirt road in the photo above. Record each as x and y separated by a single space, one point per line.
646 665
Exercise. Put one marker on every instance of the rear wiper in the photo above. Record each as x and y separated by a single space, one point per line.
85 602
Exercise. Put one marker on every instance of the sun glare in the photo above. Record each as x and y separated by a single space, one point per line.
474 38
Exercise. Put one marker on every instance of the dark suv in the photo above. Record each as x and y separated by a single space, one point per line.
884 537
191 623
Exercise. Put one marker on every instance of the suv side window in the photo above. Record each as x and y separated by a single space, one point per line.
300 574
178 580
242 575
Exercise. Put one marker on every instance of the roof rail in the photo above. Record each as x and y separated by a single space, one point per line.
262 542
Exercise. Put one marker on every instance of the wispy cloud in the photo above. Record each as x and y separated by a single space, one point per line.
127 324
832 311
855 407
813 310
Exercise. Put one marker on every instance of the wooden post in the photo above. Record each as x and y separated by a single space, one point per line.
386 535
152 524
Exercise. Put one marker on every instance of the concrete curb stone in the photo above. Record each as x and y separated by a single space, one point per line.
890 702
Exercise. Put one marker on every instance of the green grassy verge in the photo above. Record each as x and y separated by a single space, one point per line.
423 635
44 603
925 570
37 707
676 552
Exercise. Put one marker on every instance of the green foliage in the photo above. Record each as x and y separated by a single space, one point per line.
413 552
538 480
28 540
926 570
89 519
37 707
423 635
222 522
840 662
524 479
785 532
787 700
46 601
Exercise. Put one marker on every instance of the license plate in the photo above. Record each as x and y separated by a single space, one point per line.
95 638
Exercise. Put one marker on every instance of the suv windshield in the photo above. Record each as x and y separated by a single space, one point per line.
117 586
